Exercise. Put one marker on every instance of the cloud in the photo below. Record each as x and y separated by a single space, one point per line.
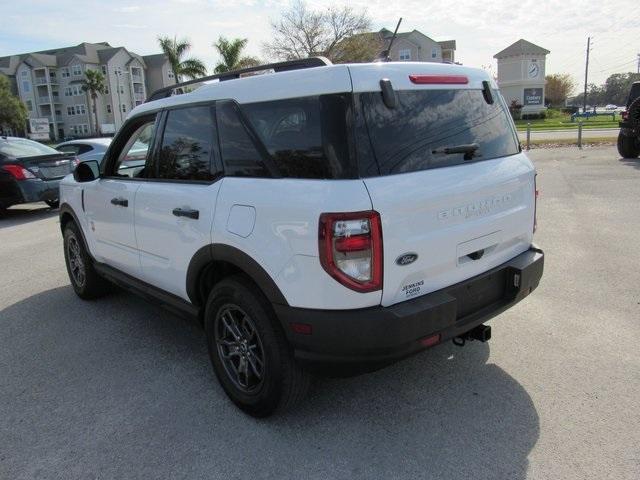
128 9
480 28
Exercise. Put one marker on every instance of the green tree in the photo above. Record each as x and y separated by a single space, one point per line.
558 87
13 113
94 83
617 87
175 50
230 52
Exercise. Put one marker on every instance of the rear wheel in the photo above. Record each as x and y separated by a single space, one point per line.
628 145
84 279
249 352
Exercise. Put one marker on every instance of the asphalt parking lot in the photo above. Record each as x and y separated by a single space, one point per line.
119 388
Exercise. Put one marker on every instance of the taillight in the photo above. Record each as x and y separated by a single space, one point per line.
535 203
439 79
351 249
18 172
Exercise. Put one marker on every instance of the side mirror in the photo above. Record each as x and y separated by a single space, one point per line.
87 171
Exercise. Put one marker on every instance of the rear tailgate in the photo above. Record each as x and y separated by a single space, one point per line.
446 217
459 224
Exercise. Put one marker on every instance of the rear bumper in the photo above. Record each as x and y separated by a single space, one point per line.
352 341
30 190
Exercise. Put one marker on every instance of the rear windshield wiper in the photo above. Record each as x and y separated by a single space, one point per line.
469 150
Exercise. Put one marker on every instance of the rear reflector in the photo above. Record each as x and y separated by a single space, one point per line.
301 328
430 341
439 79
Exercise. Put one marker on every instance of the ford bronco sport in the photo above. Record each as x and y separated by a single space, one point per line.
319 217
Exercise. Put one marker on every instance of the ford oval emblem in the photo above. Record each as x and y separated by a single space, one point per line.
406 259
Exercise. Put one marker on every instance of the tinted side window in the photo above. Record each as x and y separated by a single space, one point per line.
187 144
136 140
240 155
306 137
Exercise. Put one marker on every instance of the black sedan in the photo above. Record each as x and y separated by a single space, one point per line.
31 172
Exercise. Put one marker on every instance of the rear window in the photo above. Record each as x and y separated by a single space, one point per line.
20 148
413 136
305 137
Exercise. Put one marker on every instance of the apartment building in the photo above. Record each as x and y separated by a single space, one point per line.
49 82
415 46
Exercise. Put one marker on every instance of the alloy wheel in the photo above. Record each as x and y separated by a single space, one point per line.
240 348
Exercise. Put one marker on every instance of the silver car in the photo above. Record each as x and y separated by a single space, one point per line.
86 148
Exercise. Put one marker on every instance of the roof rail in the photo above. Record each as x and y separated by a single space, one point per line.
276 67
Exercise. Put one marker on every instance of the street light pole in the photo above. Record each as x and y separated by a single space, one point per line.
586 74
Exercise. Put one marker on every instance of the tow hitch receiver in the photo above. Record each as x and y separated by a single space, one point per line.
481 333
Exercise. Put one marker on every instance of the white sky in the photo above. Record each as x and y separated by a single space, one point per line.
481 28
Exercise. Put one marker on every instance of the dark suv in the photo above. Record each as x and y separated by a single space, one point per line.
31 172
629 136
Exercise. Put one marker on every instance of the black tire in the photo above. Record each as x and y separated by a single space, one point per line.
628 146
85 281
53 203
277 382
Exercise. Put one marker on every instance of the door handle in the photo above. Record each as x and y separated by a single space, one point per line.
123 202
179 212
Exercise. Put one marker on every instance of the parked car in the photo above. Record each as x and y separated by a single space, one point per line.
629 136
31 172
322 218
86 148
611 107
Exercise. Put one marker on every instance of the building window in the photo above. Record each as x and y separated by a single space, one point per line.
29 105
81 109
26 86
121 88
405 54
123 108
104 69
76 70
108 108
24 73
71 111
64 73
170 75
106 90
434 52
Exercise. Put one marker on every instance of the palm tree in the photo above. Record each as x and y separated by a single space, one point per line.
174 51
231 51
93 84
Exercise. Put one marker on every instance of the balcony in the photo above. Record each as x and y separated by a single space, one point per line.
42 100
40 81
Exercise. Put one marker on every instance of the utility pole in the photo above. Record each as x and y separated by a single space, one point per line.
638 63
586 75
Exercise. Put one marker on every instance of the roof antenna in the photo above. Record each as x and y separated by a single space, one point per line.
384 55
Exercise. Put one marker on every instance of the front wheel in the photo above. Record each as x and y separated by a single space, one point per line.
248 350
628 145
84 279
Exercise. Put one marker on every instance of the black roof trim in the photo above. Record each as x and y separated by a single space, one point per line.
289 65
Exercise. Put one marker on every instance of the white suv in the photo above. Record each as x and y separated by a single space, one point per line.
319 217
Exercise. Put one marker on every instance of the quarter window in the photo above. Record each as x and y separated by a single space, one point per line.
239 153
187 145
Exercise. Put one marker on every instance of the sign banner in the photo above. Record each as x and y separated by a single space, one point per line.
533 96
39 128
